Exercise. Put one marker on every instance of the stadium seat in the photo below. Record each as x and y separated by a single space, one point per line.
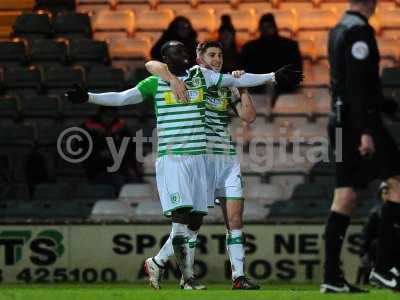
47 134
295 104
17 136
136 190
94 6
58 79
7 19
17 5
114 21
52 192
148 212
12 54
133 48
102 79
112 210
9 108
15 192
389 48
94 191
89 53
389 19
39 107
312 191
55 6
316 19
33 26
46 53
22 81
154 20
242 20
72 25
307 49
80 111
321 170
264 191
202 20
254 212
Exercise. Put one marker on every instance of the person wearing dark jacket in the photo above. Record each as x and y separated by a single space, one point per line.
366 151
180 29
270 51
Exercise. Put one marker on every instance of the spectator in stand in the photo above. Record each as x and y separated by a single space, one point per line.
227 38
270 52
180 29
106 123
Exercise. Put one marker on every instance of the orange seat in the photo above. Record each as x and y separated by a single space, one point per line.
389 18
317 19
307 48
17 4
107 20
130 48
7 18
389 48
154 20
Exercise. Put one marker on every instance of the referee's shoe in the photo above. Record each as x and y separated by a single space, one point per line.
389 280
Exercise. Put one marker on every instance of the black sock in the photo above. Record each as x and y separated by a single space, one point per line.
335 231
388 239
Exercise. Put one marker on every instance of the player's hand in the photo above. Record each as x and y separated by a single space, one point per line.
77 95
367 146
179 90
286 76
238 73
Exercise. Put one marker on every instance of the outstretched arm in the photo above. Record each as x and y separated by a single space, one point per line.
281 76
131 96
80 95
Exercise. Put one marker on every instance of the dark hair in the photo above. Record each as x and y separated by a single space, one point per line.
226 23
202 47
267 18
166 46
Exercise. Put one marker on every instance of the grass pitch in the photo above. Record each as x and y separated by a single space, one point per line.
215 291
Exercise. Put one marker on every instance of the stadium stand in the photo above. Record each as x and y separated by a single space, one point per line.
36 70
72 25
47 53
32 26
12 54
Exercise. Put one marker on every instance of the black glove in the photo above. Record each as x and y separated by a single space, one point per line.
77 95
286 76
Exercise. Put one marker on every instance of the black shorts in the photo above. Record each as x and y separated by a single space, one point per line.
357 171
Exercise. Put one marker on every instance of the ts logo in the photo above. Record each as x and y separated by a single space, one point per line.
44 248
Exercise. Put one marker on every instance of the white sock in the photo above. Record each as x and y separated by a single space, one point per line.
192 244
165 253
234 245
180 243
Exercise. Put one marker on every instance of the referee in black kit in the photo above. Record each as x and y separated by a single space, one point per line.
368 151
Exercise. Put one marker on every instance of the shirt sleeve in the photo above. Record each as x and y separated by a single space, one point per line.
131 96
358 68
226 80
144 90
148 87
